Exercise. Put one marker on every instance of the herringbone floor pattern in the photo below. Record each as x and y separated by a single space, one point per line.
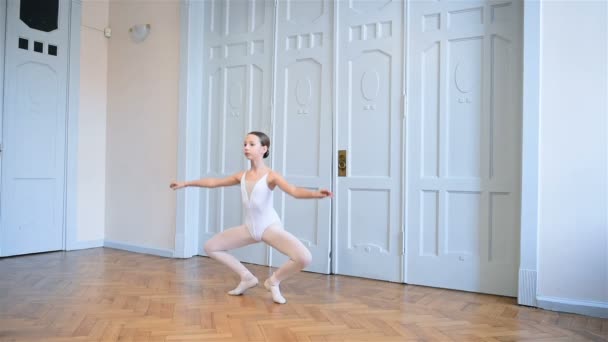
109 295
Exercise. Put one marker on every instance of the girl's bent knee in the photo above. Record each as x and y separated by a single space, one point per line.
304 259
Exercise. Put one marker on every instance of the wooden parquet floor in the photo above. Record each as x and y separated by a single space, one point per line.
110 295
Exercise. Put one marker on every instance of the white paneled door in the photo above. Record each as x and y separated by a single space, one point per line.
463 147
328 78
34 126
303 129
369 237
238 47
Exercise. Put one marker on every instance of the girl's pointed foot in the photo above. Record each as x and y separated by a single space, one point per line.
275 291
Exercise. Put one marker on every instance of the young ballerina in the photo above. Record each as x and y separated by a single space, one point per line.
262 223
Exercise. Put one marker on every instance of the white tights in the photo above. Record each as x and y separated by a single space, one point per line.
276 237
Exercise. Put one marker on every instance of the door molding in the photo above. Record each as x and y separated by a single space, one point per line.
333 255
404 137
189 201
528 260
70 227
2 53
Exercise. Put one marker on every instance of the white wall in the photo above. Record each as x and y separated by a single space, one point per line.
142 126
92 122
573 149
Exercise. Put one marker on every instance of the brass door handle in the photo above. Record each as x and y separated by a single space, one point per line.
342 163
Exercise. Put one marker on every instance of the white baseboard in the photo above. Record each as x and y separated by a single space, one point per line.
139 249
85 244
526 294
582 307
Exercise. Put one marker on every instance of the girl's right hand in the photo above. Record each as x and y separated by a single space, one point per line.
177 185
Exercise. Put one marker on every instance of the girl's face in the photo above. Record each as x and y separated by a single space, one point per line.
252 148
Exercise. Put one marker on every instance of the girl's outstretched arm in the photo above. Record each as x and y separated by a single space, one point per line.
209 182
278 180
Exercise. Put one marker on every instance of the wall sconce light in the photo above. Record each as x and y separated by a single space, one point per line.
139 32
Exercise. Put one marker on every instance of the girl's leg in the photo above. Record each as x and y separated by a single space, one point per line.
232 238
299 258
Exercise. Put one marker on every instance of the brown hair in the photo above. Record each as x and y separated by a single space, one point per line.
264 141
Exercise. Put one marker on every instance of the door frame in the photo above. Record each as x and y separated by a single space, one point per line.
71 164
186 229
70 204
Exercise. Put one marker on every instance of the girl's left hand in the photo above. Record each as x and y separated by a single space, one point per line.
325 193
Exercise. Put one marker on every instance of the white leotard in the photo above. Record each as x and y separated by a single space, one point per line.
258 210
